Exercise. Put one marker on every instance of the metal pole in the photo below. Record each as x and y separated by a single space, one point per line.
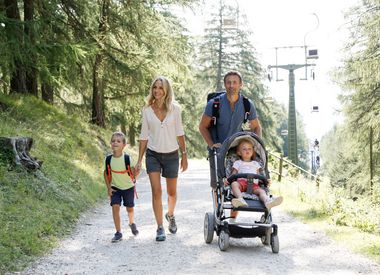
292 123
220 50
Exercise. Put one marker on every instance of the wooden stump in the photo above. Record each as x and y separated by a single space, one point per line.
16 149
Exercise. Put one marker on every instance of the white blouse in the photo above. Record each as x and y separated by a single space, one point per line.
162 136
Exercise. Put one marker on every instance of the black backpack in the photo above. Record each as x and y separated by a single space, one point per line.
215 107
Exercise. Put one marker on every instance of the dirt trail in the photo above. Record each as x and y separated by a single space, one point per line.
89 250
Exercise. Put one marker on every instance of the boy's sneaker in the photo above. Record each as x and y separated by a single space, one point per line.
160 234
172 224
134 229
239 202
117 238
276 201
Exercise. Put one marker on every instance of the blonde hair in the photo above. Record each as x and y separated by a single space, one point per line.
247 141
120 135
168 96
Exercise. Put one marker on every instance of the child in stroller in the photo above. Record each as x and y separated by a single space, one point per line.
219 221
248 164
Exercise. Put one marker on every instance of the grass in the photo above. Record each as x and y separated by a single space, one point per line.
327 211
37 209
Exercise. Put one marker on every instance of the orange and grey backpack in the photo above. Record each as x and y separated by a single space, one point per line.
108 171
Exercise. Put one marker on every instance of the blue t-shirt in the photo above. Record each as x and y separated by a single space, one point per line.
229 122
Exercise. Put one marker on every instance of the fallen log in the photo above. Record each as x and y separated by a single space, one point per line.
16 150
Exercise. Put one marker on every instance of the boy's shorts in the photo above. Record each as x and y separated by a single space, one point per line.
243 184
165 163
126 195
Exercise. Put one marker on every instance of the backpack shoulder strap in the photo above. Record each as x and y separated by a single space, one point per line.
247 108
215 109
107 170
127 162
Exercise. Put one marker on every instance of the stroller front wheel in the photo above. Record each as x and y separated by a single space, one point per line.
275 244
208 229
224 240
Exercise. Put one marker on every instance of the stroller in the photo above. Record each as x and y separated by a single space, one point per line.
218 221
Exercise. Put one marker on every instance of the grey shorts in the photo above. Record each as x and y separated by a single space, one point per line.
165 163
213 178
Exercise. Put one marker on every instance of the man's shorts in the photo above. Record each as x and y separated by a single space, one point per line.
211 160
165 163
243 185
126 195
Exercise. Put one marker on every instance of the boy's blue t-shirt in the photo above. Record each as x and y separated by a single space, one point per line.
229 122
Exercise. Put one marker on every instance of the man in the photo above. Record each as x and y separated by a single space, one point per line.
230 120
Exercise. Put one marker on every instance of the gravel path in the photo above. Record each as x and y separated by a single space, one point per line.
89 250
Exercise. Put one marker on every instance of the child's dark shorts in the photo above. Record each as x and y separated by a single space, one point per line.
126 195
167 163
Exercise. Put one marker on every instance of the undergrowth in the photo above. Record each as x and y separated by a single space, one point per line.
39 208
350 221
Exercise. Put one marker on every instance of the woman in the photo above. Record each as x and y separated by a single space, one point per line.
161 136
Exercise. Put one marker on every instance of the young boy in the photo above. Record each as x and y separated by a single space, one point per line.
120 184
247 164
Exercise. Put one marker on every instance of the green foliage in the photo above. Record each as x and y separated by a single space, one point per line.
349 220
37 209
346 149
329 203
224 48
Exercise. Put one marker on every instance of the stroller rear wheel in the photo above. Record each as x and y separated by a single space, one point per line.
267 237
223 240
208 229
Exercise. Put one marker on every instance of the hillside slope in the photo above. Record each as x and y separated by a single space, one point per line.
36 209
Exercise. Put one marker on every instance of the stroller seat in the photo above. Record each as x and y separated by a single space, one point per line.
219 221
253 201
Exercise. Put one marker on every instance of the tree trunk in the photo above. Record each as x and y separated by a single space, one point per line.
31 72
17 149
14 32
123 126
97 93
132 134
47 93
98 116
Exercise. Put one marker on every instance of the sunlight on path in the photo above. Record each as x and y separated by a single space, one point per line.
89 250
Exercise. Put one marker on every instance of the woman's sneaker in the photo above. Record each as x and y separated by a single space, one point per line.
239 202
160 234
276 201
172 224
117 237
134 229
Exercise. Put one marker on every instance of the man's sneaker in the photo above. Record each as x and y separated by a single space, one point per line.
239 203
117 238
172 224
134 229
276 201
160 234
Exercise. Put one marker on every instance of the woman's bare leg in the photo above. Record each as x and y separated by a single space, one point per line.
155 183
171 187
